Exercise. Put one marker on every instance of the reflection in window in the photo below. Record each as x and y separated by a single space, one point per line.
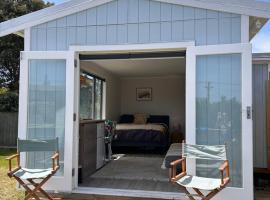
91 96
46 109
218 111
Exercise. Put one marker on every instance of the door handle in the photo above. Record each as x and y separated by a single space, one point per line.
248 112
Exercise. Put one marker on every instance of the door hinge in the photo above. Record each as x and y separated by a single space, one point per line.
75 63
74 117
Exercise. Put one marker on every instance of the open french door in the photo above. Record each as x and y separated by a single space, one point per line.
218 111
46 110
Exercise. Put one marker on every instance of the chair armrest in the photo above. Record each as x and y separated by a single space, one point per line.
225 166
173 176
56 155
176 162
55 161
10 158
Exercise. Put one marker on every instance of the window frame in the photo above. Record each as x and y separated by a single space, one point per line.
95 78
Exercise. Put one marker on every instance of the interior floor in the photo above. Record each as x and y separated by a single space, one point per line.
134 172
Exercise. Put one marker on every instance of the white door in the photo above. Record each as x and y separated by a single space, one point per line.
46 110
218 100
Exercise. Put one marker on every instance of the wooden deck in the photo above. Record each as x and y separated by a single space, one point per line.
259 195
94 197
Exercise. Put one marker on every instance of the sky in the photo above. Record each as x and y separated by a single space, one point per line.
260 43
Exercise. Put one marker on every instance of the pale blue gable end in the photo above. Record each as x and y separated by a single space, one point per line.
137 22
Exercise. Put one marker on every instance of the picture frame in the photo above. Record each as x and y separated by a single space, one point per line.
144 94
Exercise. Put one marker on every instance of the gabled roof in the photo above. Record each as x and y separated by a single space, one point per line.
245 7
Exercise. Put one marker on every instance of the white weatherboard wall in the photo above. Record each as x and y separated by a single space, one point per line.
168 97
137 21
112 88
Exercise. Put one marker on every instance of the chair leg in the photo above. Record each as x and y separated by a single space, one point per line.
211 194
198 192
40 189
28 191
188 194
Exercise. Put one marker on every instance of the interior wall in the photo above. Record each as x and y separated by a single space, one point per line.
113 101
168 97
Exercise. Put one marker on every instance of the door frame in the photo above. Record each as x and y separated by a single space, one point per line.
113 49
61 183
247 138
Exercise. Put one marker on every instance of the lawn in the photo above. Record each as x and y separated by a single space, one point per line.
7 186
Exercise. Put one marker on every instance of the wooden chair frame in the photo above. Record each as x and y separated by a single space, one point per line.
37 186
224 179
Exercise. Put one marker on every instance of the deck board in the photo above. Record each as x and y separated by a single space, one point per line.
259 195
94 197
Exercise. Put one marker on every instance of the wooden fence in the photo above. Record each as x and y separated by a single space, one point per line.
8 129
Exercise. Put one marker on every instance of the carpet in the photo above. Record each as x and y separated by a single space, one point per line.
134 168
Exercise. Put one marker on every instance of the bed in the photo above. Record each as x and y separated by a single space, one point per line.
153 134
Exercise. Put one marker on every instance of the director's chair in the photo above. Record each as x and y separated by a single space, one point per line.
199 184
29 177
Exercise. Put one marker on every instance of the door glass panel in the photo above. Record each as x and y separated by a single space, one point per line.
86 96
46 108
98 100
218 111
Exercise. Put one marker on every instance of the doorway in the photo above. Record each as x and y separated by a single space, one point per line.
138 153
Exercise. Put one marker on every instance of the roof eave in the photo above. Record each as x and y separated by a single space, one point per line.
255 25
71 7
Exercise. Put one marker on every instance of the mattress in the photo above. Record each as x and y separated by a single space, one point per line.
155 127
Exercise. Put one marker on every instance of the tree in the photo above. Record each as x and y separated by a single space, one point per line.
11 45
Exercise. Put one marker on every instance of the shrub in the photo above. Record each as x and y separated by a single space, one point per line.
9 102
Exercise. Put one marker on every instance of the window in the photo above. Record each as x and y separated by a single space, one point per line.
91 96
218 111
46 108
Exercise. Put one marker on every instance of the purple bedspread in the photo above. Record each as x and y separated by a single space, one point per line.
140 138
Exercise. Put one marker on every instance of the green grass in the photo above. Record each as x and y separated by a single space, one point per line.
8 186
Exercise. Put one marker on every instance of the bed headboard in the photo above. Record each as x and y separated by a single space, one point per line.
165 119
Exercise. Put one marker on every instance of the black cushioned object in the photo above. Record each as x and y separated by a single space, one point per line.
126 119
157 119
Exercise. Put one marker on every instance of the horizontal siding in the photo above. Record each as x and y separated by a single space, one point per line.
260 76
137 21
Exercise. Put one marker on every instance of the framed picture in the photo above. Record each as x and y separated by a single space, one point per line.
144 94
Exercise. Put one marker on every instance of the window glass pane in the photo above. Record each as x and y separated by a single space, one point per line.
98 99
86 96
46 108
218 111
91 94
